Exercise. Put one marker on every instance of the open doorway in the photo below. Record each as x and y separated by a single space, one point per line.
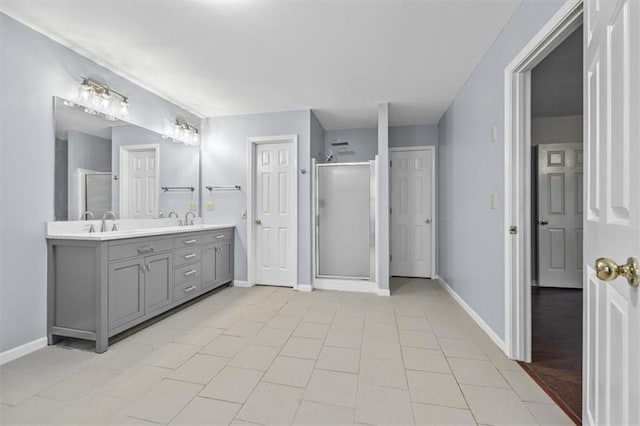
557 223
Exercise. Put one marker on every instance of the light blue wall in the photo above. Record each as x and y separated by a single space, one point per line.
224 162
34 69
401 136
317 139
471 168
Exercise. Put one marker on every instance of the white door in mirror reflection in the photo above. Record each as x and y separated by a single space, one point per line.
274 214
139 174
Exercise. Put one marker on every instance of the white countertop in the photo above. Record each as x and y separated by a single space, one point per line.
70 232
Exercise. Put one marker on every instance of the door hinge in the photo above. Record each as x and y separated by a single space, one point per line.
513 230
390 163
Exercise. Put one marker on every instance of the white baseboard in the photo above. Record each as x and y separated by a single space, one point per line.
345 285
238 283
22 350
383 292
305 287
483 325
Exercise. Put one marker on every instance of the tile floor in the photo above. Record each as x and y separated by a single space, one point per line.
267 355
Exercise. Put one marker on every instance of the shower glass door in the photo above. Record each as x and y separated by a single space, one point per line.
345 228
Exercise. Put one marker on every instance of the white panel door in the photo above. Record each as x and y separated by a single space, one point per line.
274 214
143 185
560 215
612 223
412 181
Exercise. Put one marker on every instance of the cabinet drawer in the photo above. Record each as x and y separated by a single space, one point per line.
186 290
187 255
188 240
221 235
138 248
187 273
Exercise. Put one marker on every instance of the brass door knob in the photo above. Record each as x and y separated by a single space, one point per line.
543 222
608 270
427 220
258 221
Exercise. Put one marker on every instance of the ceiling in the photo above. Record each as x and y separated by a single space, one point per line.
340 58
556 82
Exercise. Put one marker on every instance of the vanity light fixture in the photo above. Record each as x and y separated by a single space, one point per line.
184 133
98 97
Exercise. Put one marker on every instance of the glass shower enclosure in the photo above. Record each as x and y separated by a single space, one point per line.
345 220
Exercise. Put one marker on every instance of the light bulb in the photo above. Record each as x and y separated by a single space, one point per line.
124 107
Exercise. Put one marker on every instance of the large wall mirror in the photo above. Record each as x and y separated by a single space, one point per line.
103 164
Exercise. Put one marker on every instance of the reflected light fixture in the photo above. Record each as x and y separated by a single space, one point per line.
184 133
96 97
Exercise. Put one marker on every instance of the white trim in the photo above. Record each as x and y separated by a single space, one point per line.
383 292
252 142
359 286
434 198
238 283
22 350
517 175
124 153
483 325
305 288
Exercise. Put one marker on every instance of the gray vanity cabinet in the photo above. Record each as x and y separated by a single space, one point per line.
97 289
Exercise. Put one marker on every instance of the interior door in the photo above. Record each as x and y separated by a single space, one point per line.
412 213
142 185
560 215
274 214
612 225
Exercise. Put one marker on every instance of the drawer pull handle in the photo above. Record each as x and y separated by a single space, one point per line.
189 289
190 256
148 249
220 236
187 242
189 273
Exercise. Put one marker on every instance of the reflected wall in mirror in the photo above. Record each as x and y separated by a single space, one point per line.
104 165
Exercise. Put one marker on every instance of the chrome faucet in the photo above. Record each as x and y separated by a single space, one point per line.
186 218
103 228
86 214
173 213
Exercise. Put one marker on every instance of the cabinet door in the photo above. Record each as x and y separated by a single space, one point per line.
126 292
158 286
224 262
208 266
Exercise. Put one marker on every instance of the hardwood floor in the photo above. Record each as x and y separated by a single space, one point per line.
557 346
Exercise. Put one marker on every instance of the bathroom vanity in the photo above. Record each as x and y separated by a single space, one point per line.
103 283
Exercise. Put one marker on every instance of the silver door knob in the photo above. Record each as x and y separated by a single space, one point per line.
543 222
258 222
427 220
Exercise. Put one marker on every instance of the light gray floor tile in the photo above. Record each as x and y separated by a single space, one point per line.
459 348
339 359
409 311
382 372
94 409
435 415
164 401
425 360
381 330
381 348
314 413
548 414
125 355
199 369
284 322
33 410
526 388
134 384
311 330
174 355
413 323
254 357
435 388
225 346
344 339
244 328
331 387
200 336
79 384
232 384
290 371
321 315
379 405
271 404
301 347
205 411
496 406
477 372
347 323
273 337
419 339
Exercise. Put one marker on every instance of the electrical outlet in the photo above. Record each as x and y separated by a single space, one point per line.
209 206
243 214
193 207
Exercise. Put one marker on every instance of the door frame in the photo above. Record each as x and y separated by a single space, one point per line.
434 198
252 144
517 175
123 187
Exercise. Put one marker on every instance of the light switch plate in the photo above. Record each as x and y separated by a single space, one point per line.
492 201
243 214
494 134
210 206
